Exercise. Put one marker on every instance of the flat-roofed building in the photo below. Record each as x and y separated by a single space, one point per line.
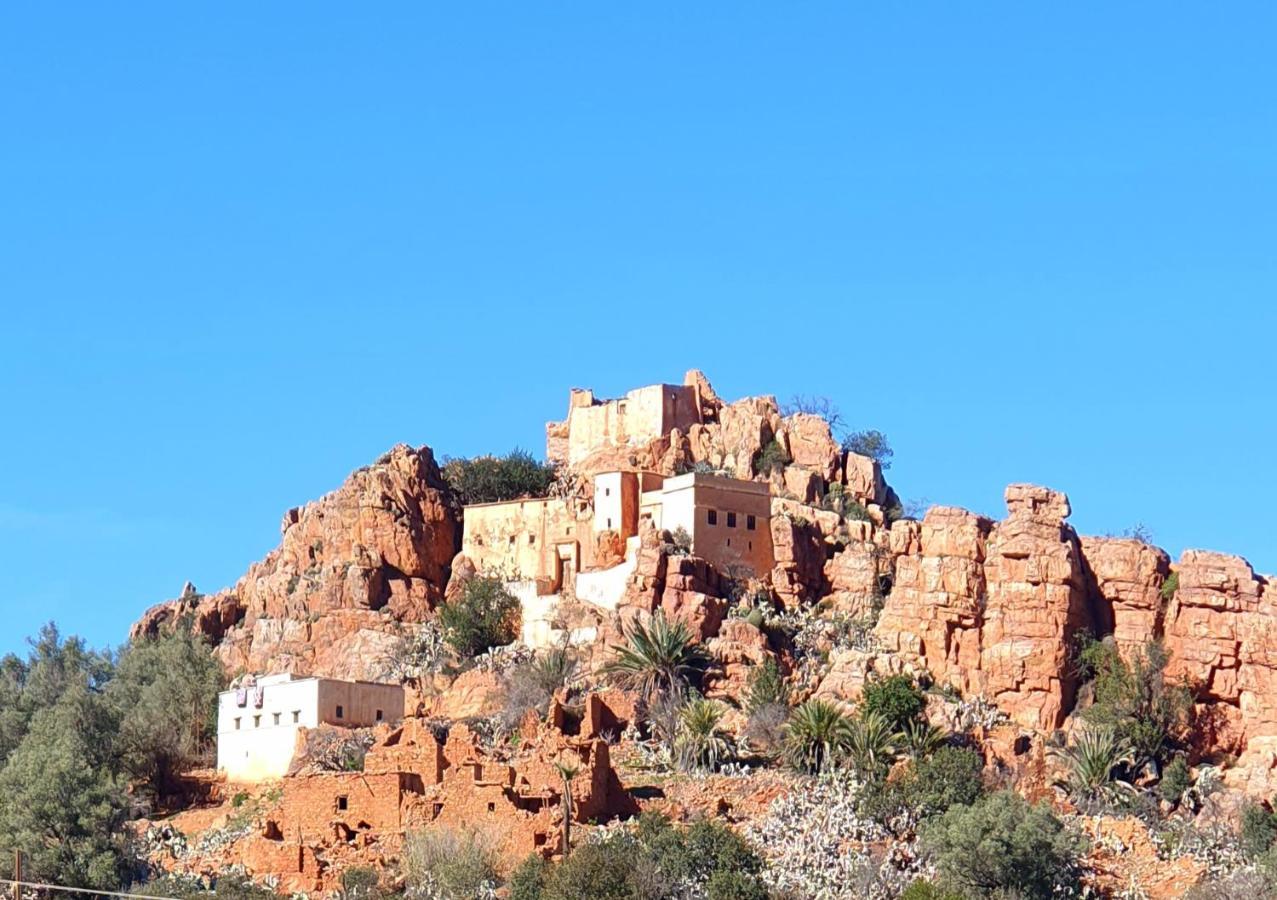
258 719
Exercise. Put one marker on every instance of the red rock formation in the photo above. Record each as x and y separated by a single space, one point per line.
1128 576
350 567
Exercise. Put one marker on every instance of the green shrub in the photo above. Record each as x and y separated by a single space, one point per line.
486 615
872 744
1169 587
1091 763
925 890
1146 714
896 698
488 479
952 776
1002 843
817 736
772 458
454 865
527 881
735 886
1175 780
360 883
872 444
765 686
1258 829
603 870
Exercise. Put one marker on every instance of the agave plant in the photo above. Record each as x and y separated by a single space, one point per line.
553 669
872 743
700 745
919 740
817 736
1092 759
658 658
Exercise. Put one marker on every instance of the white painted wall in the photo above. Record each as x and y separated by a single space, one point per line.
255 744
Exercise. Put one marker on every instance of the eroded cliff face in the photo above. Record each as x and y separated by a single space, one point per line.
350 568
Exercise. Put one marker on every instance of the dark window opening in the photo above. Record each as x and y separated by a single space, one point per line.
750 522
297 716
532 539
711 516
609 521
276 718
492 807
731 520
438 808
340 712
343 802
380 715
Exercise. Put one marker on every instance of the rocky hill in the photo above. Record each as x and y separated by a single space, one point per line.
986 611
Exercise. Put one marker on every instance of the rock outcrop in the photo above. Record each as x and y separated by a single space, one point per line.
350 568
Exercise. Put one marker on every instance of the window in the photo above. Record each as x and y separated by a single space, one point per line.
380 715
343 802
275 717
340 712
711 516
492 807
609 521
257 721
532 539
750 522
511 540
607 492
297 716
729 542
237 723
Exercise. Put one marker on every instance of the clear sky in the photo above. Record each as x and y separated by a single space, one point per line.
247 247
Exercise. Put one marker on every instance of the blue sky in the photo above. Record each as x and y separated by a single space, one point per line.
245 248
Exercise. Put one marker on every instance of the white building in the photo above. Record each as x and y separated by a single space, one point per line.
257 723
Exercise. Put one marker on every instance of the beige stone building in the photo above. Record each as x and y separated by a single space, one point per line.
548 548
638 417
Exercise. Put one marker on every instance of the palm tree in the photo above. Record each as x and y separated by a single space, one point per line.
872 742
1091 760
701 744
658 658
920 739
817 736
567 772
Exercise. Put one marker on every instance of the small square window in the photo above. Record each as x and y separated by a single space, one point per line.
731 520
257 721
343 802
607 492
237 723
711 516
275 717
492 807
750 523
297 716
609 522
729 542
340 712
380 715
532 539
511 540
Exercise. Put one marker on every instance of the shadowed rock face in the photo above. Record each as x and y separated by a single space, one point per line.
350 567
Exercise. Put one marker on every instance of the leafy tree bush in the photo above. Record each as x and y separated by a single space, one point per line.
1169 587
919 739
1175 780
896 698
1002 843
154 679
658 658
926 890
817 736
488 479
765 686
1258 830
927 787
486 615
772 458
360 883
62 801
872 444
1133 699
530 685
527 881
871 744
